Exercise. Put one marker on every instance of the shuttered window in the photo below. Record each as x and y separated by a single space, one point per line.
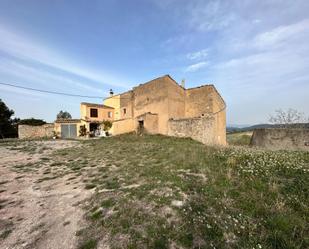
93 113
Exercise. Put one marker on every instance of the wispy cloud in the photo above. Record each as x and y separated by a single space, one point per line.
197 66
38 75
202 54
282 34
23 48
210 15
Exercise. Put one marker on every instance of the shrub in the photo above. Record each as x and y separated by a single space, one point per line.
32 121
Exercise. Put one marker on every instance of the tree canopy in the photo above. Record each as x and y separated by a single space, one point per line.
8 125
64 115
32 121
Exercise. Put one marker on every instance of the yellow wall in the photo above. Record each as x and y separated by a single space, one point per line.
123 126
176 100
153 97
165 98
198 101
102 113
114 102
150 123
126 105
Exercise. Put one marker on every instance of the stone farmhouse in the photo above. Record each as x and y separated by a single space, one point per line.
160 106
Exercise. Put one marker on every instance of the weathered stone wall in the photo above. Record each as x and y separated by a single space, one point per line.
201 129
29 131
281 138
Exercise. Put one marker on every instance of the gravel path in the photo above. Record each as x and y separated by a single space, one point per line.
38 214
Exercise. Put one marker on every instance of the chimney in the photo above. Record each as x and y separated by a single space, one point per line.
183 83
111 93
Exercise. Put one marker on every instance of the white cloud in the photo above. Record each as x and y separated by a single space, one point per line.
41 76
197 66
256 21
210 16
281 34
23 48
202 54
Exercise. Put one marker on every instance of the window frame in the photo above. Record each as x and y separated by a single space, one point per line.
96 112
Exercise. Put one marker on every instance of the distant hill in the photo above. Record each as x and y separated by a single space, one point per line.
231 129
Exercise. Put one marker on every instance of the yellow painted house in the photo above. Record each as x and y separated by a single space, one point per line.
160 106
91 117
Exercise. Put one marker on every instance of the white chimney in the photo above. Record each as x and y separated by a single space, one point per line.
183 83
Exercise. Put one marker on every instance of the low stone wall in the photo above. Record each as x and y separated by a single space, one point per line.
201 129
281 138
41 131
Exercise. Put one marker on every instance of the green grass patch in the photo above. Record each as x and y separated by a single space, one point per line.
162 192
239 138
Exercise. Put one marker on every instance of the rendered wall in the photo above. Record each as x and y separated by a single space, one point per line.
126 105
114 102
198 101
164 97
153 97
176 100
102 113
29 131
284 138
150 123
123 126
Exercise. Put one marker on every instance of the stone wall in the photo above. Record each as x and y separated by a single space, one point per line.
29 131
201 129
281 138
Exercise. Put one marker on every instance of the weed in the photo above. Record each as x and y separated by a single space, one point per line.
89 244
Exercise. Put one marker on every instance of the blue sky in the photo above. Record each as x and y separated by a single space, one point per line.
255 52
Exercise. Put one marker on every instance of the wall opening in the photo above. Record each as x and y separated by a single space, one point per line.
140 128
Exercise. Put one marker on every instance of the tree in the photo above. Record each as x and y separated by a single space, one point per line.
64 115
290 117
82 130
107 125
8 125
32 121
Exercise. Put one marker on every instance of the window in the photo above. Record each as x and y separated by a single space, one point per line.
124 111
109 114
93 113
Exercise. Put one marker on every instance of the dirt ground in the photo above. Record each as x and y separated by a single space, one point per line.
36 213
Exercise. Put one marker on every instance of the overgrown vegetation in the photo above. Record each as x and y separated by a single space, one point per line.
8 124
32 121
239 138
162 192
158 192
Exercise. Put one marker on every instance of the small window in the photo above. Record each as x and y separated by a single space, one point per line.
109 114
93 113
124 111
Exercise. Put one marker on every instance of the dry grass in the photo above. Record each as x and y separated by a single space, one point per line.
158 192
162 192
